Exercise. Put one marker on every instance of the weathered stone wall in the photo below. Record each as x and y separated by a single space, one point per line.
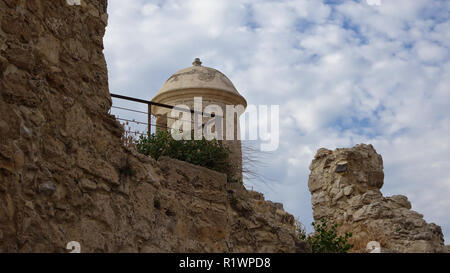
64 173
345 186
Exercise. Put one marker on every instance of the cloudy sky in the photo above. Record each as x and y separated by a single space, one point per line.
343 73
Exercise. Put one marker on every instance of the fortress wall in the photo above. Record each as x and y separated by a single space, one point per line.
64 173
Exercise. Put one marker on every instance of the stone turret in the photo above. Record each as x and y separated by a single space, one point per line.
214 88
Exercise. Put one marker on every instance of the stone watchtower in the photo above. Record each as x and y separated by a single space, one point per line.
214 88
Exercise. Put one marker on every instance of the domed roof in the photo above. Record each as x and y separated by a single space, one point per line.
198 76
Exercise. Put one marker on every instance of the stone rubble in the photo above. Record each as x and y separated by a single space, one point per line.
345 186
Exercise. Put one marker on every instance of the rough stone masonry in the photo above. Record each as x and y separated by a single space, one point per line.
345 186
65 174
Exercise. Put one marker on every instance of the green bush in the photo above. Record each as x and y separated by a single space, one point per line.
326 240
212 154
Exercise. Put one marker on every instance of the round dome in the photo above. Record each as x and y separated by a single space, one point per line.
198 76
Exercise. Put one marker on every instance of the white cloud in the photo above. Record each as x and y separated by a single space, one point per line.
342 74
430 52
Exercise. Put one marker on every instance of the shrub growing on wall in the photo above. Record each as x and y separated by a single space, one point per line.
212 154
326 240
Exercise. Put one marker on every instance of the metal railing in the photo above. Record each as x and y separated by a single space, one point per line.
148 113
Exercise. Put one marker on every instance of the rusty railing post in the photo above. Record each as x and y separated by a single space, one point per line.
149 130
